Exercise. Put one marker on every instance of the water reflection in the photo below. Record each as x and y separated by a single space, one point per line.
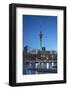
39 68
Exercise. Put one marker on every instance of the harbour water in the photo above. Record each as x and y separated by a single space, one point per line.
39 68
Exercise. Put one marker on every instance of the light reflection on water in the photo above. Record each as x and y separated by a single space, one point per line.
39 68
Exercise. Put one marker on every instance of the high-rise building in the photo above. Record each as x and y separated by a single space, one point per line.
43 49
26 49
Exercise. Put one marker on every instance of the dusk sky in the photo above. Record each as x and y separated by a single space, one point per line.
32 25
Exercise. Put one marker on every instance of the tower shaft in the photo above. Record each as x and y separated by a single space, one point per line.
40 40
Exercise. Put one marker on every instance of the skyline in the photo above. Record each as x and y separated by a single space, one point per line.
32 25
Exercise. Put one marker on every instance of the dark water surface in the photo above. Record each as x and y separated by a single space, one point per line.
39 68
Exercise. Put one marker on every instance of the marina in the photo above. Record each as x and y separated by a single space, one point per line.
39 67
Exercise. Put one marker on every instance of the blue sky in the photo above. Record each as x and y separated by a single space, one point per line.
32 25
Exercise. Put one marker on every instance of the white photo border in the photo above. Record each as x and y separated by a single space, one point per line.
20 78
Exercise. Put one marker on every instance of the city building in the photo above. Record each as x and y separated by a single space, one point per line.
43 49
26 49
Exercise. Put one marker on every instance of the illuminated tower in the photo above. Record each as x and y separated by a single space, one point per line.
40 40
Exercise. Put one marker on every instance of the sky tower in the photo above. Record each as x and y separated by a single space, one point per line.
40 40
